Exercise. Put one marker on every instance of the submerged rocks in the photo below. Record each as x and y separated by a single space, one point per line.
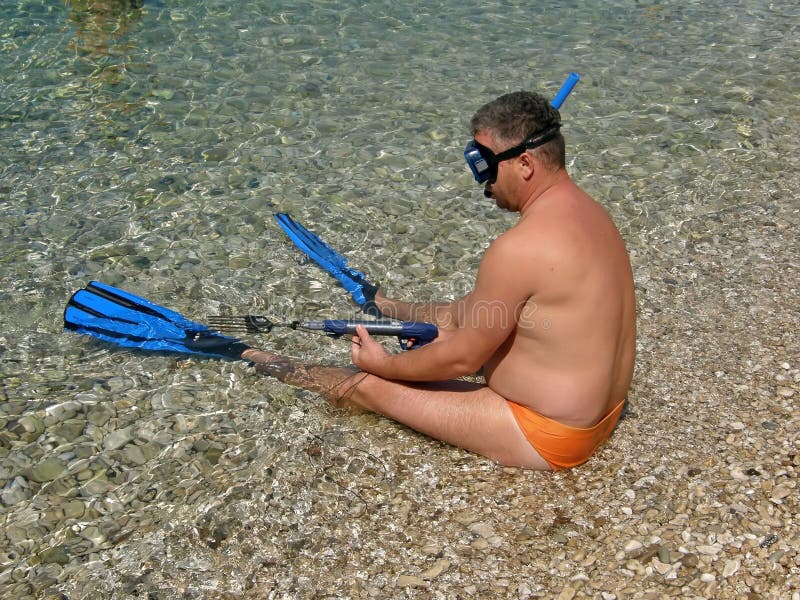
49 469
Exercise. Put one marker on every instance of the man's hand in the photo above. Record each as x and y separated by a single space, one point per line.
367 354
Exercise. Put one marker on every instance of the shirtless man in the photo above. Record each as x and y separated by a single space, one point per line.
551 319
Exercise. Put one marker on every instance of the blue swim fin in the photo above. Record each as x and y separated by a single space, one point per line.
114 315
354 281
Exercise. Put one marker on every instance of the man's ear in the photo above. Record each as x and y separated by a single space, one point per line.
528 165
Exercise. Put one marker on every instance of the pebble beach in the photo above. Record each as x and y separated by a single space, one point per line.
156 163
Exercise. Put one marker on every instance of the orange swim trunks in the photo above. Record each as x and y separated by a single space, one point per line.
560 445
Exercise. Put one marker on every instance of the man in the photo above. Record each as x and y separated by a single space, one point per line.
551 319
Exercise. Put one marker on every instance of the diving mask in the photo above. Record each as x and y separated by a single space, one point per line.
483 162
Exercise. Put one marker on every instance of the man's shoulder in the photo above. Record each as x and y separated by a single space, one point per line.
511 241
536 232
521 248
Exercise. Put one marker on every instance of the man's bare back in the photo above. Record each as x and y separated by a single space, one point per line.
571 355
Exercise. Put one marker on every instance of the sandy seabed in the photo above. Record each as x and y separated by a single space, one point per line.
694 496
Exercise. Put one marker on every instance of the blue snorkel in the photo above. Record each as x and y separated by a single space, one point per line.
483 162
565 90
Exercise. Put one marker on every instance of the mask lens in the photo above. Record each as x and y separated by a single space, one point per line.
480 161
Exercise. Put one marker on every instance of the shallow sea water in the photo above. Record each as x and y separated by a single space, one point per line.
149 147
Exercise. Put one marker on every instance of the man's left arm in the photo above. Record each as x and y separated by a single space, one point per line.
490 316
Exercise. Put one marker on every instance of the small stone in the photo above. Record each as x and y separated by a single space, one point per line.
183 423
202 445
69 430
737 426
95 487
113 505
560 538
118 384
61 412
661 568
73 509
410 581
213 455
100 414
779 492
466 517
707 578
482 529
567 593
215 154
482 544
738 474
133 455
731 567
431 549
117 439
769 540
785 392
56 555
163 94
16 534
94 535
439 567
31 427
633 546
690 560
709 550
47 470
14 492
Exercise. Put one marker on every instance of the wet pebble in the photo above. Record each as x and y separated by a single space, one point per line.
48 469
216 154
731 567
133 455
15 491
99 414
118 438
69 430
411 581
61 412
439 567
28 428
633 546
57 554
